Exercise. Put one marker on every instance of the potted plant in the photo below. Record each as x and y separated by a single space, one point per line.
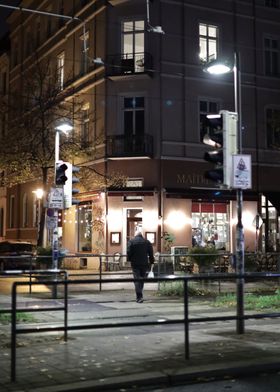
204 257
44 258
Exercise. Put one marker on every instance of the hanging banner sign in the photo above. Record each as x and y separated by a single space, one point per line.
242 171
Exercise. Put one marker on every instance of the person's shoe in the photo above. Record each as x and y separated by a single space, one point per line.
139 300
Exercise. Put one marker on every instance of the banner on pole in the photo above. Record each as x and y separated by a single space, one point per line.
242 171
56 198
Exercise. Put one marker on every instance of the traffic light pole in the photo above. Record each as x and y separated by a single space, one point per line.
55 229
239 202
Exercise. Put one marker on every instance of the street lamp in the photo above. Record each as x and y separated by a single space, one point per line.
64 127
218 68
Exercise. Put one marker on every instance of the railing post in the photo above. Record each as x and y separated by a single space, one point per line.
158 270
100 272
13 332
30 278
186 319
65 307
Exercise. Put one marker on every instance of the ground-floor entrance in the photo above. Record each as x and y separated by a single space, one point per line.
185 221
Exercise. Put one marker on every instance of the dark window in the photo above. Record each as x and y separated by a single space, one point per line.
271 56
272 3
15 54
12 212
61 21
4 83
273 128
134 116
134 123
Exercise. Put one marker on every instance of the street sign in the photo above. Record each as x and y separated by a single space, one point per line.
242 171
56 198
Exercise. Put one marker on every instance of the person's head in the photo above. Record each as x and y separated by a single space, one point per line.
138 233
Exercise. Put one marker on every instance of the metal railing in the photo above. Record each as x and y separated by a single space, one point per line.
186 320
130 145
129 64
37 274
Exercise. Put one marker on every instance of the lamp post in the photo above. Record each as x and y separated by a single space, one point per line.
64 128
218 68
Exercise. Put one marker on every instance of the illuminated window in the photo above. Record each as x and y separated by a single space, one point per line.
133 45
84 228
84 42
60 70
85 126
208 42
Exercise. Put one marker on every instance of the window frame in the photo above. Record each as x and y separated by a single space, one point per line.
275 4
207 38
272 131
25 210
60 64
134 110
85 126
12 201
271 51
84 60
208 102
134 56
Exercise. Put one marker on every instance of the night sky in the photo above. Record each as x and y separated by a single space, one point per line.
4 12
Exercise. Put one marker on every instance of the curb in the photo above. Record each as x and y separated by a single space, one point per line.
156 379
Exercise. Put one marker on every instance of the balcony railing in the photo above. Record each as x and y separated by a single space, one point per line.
129 63
132 146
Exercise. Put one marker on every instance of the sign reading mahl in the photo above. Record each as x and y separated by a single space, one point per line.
242 171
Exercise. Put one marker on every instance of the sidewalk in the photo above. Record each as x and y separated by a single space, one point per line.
119 358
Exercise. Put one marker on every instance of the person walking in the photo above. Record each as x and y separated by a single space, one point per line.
140 254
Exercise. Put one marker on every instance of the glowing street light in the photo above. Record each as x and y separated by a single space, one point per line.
63 127
218 68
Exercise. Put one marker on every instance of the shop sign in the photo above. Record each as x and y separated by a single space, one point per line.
191 179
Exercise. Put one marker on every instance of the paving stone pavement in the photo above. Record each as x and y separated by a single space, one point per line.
119 358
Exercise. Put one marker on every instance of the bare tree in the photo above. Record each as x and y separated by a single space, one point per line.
35 107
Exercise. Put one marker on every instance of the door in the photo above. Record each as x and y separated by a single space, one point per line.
134 222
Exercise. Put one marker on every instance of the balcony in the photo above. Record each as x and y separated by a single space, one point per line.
123 65
134 146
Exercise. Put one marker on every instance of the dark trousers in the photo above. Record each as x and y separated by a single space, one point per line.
138 273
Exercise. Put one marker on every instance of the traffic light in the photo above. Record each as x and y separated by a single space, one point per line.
69 190
222 135
60 173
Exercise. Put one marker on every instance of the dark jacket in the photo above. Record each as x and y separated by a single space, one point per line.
140 252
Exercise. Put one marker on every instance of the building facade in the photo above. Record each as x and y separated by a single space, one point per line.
145 97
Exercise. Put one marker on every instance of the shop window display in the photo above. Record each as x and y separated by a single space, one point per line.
210 225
